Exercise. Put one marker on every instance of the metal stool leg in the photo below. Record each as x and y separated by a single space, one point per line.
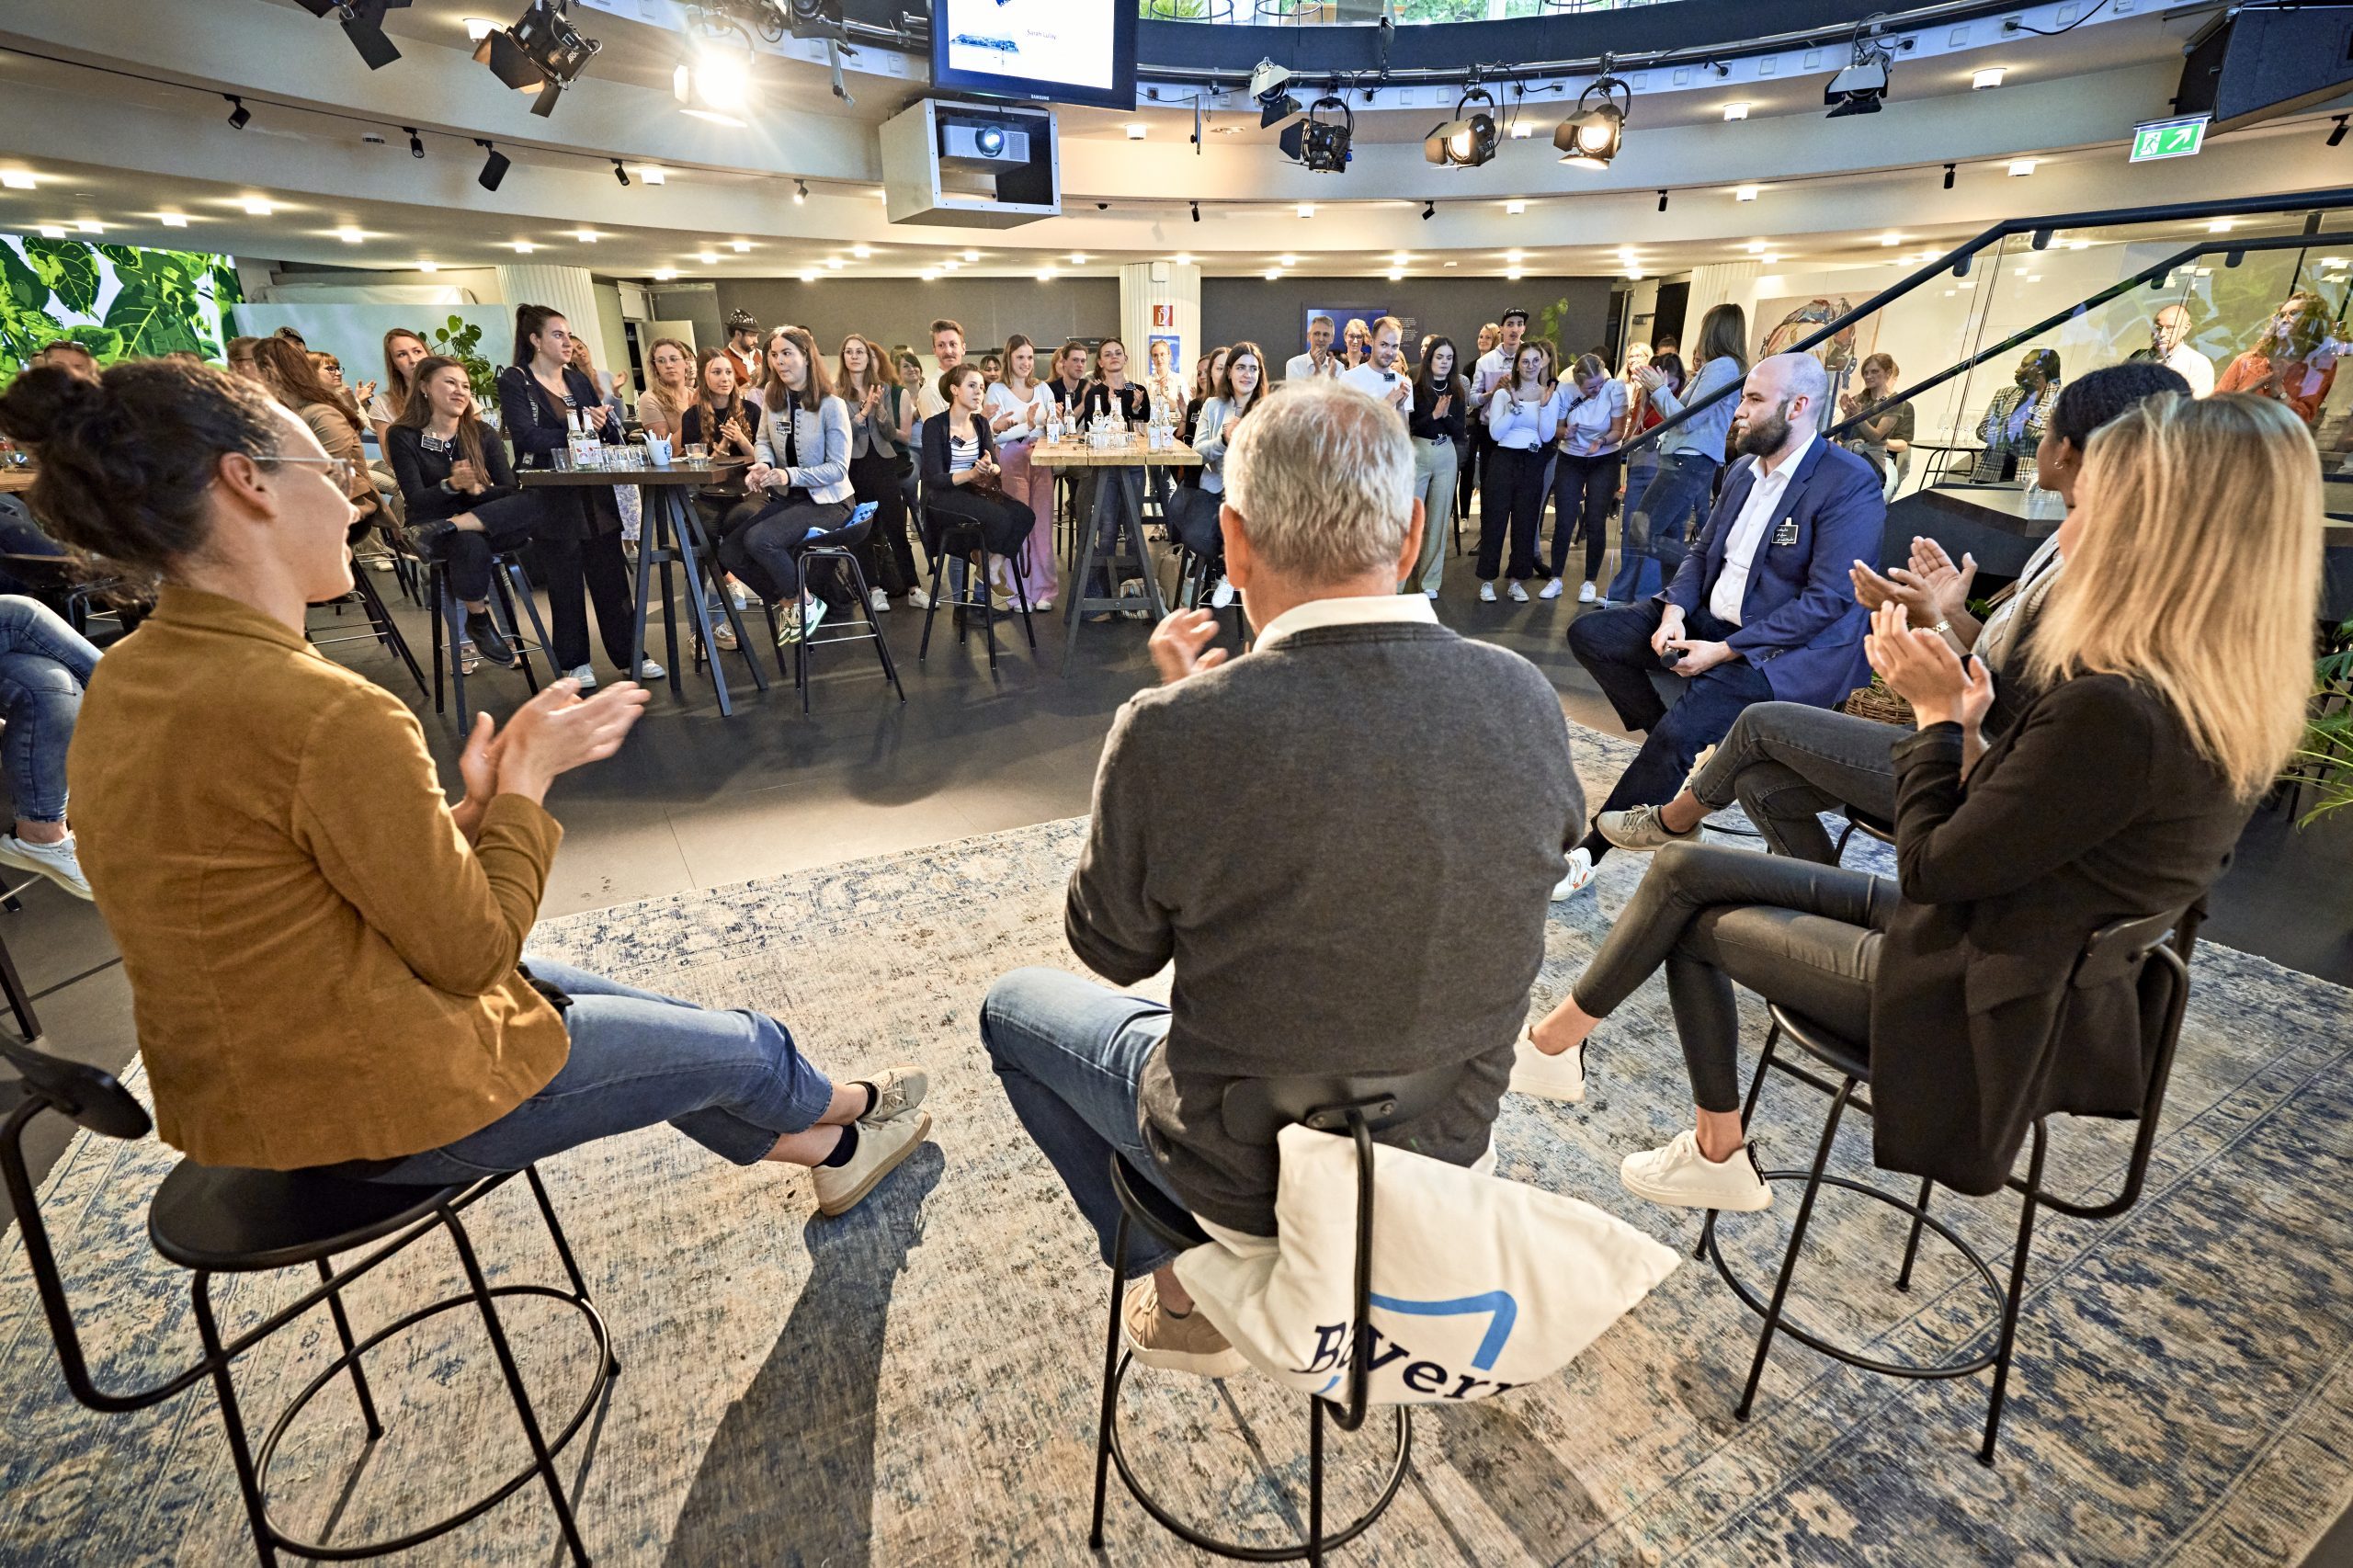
380 618
1111 1384
359 1378
2011 1301
453 633
225 1391
563 1250
1316 1482
1919 1223
20 1001
545 1461
515 588
1796 1240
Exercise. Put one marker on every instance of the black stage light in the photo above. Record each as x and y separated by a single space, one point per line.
619 173
240 115
800 191
2337 137
1469 139
541 53
494 168
1197 211
363 24
1594 132
1948 176
1662 201
816 18
1322 144
415 143
1429 210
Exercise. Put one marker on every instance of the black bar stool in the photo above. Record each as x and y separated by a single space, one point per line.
508 587
1254 1111
840 550
2135 949
381 627
221 1220
1862 821
954 537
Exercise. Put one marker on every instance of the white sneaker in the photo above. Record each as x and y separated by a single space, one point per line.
1552 590
585 675
877 601
1520 593
1586 596
648 670
1546 1077
918 599
1680 1175
1580 875
1223 595
1487 593
816 617
787 626
56 861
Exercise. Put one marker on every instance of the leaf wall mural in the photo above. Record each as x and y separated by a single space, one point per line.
124 301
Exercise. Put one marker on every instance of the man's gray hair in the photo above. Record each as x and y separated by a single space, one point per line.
1316 320
1324 478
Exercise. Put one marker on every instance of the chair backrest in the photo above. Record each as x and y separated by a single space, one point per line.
89 1095
1355 1104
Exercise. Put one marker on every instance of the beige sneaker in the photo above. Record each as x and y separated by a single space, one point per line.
898 1089
1189 1344
880 1146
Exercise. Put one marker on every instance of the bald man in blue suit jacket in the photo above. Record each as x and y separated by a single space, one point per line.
1762 610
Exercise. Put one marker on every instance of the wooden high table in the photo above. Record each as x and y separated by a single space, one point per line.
15 480
670 531
1118 508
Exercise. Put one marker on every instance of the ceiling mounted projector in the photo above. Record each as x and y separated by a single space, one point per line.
1861 85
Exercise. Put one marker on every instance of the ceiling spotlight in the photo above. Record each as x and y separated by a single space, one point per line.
1514 275
349 235
1745 193
1662 201
834 263
363 24
172 220
971 255
1890 239
494 167
1045 275
1136 128
931 277
1860 88
1307 210
951 265
709 257
524 247
620 172
258 205
1078 258
1991 76
1469 139
416 144
809 278
1596 129
541 53
585 236
2021 167
1735 111
1521 129
428 267
800 191
1287 261
2337 137
1949 168
2219 226
1184 259
1319 140
1429 210
1197 211
89 226
52 232
714 85
1272 275
1514 209
665 275
744 248
15 179
239 116
1396 275
1755 247
652 173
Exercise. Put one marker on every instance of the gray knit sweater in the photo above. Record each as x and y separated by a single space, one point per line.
1345 843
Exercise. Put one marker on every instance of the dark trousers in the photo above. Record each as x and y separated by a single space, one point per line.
1678 494
1004 523
578 571
1584 491
762 538
1614 646
1787 762
1472 465
1805 936
506 524
1637 576
886 557
1514 498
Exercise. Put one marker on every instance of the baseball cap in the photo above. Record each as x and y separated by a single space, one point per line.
743 320
1514 310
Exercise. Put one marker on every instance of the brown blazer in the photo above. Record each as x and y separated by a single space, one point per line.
322 969
2094 807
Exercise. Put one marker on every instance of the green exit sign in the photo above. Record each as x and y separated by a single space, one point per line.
2168 138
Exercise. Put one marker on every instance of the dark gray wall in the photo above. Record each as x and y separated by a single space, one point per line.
900 309
1274 315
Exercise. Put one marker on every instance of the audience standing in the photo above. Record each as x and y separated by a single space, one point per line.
1319 359
1594 420
671 379
1522 417
1441 402
403 351
2169 346
1690 453
2292 359
1018 407
2015 417
878 455
1382 376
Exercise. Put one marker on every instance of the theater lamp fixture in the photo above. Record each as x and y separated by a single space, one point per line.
1321 141
1594 132
541 53
1469 139
363 24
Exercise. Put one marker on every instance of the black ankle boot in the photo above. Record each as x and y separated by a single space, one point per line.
488 640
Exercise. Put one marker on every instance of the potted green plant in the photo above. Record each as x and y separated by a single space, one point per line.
2323 762
461 340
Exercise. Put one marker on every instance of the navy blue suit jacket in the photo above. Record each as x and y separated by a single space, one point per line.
1799 621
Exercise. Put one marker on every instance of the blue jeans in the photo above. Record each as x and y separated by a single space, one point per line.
1676 496
44 664
1637 575
1070 1053
731 1081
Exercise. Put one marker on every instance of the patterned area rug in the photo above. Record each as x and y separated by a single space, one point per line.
915 1384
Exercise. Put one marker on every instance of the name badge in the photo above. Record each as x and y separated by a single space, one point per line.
1787 533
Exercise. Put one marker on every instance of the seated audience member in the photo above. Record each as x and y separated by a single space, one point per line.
960 475
800 492
1441 402
403 352
44 666
2169 346
289 335
458 492
948 351
1232 809
1161 384
287 371
670 389
722 420
240 362
1884 438
540 397
330 369
74 358
265 829
608 391
2293 358
992 369
2016 416
877 451
1594 421
1319 359
1787 762
1243 383
2169 695
1017 408
1761 609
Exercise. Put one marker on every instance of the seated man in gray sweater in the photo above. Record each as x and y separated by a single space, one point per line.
1343 839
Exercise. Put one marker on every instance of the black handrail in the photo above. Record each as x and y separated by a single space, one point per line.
2153 276
1957 262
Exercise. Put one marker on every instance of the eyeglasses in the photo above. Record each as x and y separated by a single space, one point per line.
344 472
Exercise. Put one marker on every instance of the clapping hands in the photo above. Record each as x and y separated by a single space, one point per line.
1921 668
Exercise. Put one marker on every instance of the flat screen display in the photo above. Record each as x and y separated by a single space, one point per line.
1069 51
